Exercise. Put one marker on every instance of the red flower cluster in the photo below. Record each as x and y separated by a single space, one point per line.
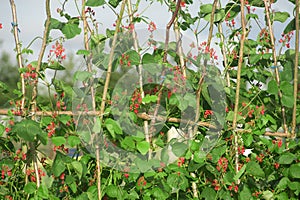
1 26
222 164
286 38
51 129
30 73
32 176
20 155
260 158
125 60
62 148
151 26
278 142
182 4
180 161
141 181
233 187
203 48
90 10
241 149
126 175
136 100
5 171
83 106
57 50
216 184
276 165
230 23
208 113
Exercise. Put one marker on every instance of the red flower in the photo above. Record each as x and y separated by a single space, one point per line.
32 178
207 113
1 26
279 143
236 188
58 104
23 156
151 27
62 176
126 175
182 4
276 165
222 164
180 161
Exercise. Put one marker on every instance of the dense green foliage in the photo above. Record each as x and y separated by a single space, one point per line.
216 161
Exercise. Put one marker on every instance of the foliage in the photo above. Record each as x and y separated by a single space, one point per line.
216 161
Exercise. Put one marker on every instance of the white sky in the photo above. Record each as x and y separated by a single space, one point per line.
31 17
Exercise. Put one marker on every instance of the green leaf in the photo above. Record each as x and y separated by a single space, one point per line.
294 171
174 100
290 27
288 101
239 174
272 87
206 8
78 168
113 127
179 148
43 192
70 30
97 126
43 137
267 194
55 24
2 128
30 188
218 16
3 88
133 57
73 140
254 169
158 193
58 166
251 15
233 9
217 152
281 16
142 165
27 129
208 194
55 65
149 98
58 141
114 3
94 3
143 147
82 75
148 59
199 156
112 191
286 158
286 88
294 186
282 196
128 143
245 193
283 183
83 52
193 166
254 58
47 181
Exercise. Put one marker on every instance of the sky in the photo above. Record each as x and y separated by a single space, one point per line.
31 17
